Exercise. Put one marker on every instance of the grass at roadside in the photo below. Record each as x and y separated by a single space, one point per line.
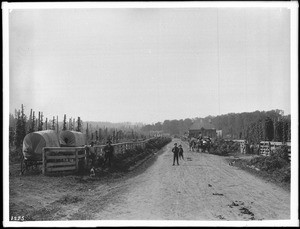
275 168
222 148
122 162
38 197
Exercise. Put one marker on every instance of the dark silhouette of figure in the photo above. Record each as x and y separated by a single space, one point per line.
92 154
108 153
180 152
175 151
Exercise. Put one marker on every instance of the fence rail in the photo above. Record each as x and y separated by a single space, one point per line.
72 159
265 147
122 147
63 159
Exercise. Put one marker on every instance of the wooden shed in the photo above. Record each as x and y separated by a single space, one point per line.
205 129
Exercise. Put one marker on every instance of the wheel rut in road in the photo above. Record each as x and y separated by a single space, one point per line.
202 187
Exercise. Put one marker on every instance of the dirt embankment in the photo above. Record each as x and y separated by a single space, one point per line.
244 162
202 187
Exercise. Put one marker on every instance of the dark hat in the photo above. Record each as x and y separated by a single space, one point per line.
180 145
175 143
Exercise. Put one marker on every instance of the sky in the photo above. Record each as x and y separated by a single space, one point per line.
149 65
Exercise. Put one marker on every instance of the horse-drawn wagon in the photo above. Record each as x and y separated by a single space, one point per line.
61 151
72 138
200 144
33 145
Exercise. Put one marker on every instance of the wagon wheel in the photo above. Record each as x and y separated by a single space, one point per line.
23 165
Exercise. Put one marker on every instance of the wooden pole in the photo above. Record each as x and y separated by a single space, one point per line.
76 159
85 158
39 122
57 123
44 161
53 123
283 131
30 119
274 126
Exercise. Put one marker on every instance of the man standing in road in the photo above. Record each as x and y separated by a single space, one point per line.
108 153
91 157
200 136
209 143
175 151
92 154
180 152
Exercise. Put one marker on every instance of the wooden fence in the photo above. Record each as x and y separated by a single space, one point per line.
242 145
122 147
63 159
72 159
266 147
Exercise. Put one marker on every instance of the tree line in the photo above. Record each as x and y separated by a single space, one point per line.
252 126
123 134
21 124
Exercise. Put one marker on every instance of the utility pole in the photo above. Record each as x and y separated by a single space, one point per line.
57 123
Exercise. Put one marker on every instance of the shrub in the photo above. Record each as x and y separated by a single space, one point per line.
122 162
15 155
284 174
234 146
220 147
276 161
157 143
281 152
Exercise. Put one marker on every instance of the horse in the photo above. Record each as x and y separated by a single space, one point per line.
192 144
203 145
198 145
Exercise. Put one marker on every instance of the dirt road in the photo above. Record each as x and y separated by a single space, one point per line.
202 187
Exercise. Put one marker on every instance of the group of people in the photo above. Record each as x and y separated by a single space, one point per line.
108 150
177 153
200 144
252 148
